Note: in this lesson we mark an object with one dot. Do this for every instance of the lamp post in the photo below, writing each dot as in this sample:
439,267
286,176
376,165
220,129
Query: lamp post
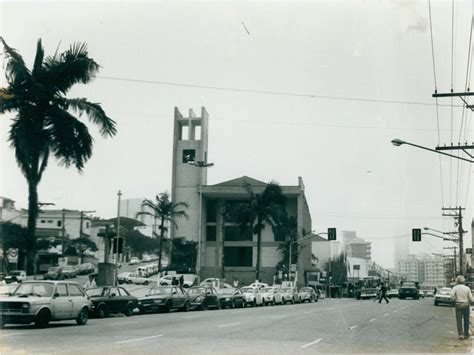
119,196
440,237
200,164
398,142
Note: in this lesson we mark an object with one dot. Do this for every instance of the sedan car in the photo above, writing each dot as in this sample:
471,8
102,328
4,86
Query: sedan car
6,290
16,276
231,297
203,297
132,278
308,294
443,296
393,292
271,295
162,298
69,272
44,301
421,293
134,261
429,293
84,269
289,295
107,299
253,296
54,273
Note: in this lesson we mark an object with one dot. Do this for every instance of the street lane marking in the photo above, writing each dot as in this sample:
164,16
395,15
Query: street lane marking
372,319
308,312
139,339
11,334
228,325
386,314
113,324
353,327
189,317
274,317
312,343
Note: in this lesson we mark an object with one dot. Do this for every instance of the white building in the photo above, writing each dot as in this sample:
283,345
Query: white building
357,267
411,269
434,272
8,212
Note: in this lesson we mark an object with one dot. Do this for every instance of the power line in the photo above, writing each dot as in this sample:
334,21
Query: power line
265,92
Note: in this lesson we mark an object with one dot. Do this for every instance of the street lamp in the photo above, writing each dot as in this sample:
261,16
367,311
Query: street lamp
200,164
398,142
440,237
435,230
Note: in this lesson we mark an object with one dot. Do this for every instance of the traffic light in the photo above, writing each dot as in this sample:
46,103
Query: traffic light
331,233
416,235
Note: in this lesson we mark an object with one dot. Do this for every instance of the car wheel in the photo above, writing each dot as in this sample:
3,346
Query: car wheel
436,303
145,283
141,310
129,282
185,306
254,304
203,306
292,301
218,305
129,310
167,308
242,305
273,302
102,311
43,318
83,316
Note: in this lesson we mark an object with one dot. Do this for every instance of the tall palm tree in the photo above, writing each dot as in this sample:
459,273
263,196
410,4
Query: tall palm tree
263,208
166,211
45,122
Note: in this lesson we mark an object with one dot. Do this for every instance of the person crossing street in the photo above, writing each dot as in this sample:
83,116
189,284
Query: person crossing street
383,293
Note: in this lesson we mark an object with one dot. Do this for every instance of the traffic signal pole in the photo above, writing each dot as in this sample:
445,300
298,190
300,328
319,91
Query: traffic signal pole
458,216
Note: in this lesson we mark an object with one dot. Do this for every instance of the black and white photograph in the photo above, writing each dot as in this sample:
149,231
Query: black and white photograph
236,177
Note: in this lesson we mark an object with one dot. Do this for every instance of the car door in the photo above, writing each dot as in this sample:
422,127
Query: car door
61,302
124,298
78,298
179,297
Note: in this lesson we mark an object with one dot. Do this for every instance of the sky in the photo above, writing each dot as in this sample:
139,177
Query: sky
296,68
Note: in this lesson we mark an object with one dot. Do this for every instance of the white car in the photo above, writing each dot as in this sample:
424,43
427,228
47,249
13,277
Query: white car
259,285
443,296
146,258
19,275
253,296
271,295
189,280
215,282
44,301
134,261
289,295
132,278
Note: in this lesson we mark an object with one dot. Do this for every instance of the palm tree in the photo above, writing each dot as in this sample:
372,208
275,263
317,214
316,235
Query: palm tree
45,122
166,211
263,208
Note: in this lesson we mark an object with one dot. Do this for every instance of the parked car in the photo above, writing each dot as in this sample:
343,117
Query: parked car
44,301
107,299
54,273
146,258
162,298
421,293
271,295
16,276
307,294
69,272
132,278
84,269
289,295
231,297
203,297
134,261
443,296
393,292
253,296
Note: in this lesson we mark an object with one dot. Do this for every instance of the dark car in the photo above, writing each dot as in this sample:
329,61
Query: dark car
408,290
54,273
203,297
109,299
231,297
162,298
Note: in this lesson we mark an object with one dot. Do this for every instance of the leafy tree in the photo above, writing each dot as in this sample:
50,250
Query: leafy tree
338,269
140,243
183,255
45,123
165,210
79,246
263,208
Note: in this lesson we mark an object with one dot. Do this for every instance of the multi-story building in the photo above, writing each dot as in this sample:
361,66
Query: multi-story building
8,212
225,250
355,247
411,269
435,272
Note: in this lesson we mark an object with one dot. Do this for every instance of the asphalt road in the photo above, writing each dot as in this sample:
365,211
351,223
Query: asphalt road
331,325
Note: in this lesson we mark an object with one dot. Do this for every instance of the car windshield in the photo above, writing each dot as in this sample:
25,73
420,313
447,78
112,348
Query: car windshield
306,289
6,289
196,290
40,289
95,292
161,291
248,290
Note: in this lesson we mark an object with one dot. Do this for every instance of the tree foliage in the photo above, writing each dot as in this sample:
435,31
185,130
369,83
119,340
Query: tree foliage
338,269
46,121
79,246
183,255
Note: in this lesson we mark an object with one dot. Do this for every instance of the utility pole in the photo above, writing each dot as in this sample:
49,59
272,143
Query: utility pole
457,216
119,195
63,230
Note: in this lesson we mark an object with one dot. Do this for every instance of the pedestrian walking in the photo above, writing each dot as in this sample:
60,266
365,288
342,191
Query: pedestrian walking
462,297
90,283
181,281
174,281
383,293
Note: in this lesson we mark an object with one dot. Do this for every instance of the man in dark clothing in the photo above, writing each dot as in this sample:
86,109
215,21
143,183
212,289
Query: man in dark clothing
383,293
174,281
181,281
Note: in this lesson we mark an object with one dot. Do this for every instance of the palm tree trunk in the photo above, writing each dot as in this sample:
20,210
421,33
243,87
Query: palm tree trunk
259,248
162,231
31,226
